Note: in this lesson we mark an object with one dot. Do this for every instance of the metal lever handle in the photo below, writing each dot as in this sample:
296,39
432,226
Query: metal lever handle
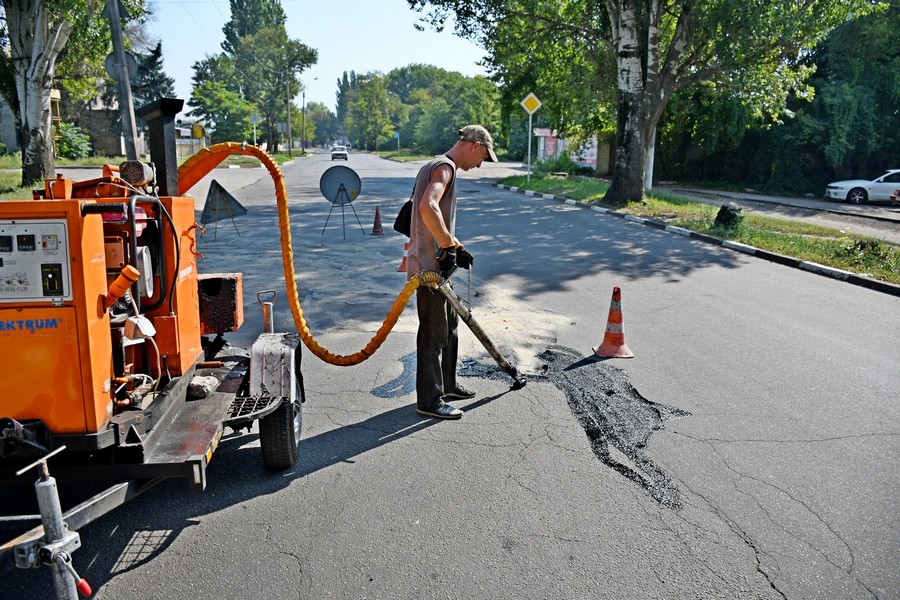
83,587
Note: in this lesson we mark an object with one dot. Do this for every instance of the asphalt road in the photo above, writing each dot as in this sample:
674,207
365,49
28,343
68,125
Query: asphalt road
774,392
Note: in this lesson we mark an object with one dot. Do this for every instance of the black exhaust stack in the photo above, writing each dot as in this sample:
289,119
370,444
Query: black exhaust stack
160,116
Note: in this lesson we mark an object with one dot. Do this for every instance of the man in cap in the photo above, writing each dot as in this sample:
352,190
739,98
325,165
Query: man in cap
433,246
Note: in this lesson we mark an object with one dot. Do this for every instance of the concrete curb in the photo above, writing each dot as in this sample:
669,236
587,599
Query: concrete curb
788,261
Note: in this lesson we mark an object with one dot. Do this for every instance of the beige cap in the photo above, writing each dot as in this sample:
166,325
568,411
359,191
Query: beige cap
477,133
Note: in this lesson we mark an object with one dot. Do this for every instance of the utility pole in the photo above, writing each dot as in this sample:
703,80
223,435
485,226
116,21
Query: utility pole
303,126
126,102
287,87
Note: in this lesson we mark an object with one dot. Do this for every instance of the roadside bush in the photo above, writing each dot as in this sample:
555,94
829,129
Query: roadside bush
72,143
561,164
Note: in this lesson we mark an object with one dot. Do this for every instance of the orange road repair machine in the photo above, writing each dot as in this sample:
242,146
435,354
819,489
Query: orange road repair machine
109,364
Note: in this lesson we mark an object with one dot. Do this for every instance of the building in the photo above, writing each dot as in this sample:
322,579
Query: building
591,154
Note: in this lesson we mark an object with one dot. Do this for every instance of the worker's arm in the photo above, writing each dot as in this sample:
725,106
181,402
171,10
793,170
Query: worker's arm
429,206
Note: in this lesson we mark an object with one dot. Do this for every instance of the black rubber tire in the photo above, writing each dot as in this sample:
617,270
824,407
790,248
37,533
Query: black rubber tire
857,196
279,432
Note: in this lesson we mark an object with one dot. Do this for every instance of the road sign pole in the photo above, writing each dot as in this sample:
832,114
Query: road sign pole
530,104
254,118
529,148
126,101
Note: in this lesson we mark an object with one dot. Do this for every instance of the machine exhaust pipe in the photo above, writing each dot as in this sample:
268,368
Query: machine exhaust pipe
160,117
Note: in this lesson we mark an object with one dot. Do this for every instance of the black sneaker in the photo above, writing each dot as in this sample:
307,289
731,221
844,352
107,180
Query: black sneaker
459,393
443,411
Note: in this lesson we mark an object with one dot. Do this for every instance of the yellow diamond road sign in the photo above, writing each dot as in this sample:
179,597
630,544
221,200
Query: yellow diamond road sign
531,103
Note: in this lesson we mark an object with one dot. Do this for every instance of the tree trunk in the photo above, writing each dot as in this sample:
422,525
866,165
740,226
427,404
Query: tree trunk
36,39
642,94
37,134
627,184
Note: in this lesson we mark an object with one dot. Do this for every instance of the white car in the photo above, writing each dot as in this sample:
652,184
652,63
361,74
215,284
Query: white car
858,191
339,152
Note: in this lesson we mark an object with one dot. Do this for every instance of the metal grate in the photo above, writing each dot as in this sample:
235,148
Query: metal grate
248,405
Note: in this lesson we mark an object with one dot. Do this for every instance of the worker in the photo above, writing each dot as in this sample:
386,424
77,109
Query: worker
433,246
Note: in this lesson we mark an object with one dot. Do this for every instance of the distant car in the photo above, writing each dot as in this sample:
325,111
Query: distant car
339,152
858,191
895,197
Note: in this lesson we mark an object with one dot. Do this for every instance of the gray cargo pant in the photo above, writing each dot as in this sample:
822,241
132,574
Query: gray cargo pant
437,348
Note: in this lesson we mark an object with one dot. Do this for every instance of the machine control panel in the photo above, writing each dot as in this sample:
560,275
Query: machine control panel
34,261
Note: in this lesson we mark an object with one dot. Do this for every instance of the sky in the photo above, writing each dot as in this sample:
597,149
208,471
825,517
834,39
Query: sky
349,35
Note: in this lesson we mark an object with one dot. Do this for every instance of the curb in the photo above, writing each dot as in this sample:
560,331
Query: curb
788,261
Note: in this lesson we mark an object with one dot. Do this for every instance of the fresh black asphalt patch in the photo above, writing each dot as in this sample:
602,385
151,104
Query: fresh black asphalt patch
615,417
617,420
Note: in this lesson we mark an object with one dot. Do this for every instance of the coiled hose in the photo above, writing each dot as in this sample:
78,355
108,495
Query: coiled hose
197,166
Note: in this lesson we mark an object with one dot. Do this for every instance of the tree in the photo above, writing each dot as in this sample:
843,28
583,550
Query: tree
322,124
849,128
469,100
369,111
150,81
225,113
658,47
858,95
346,84
38,33
260,64
248,17
37,36
268,63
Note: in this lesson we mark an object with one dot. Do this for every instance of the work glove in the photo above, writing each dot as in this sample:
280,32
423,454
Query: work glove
464,258
447,261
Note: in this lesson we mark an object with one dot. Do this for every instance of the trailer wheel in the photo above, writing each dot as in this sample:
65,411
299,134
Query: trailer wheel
279,432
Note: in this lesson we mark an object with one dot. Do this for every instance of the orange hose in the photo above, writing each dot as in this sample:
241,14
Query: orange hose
196,167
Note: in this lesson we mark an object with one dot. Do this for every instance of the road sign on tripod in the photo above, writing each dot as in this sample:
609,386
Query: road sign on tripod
219,203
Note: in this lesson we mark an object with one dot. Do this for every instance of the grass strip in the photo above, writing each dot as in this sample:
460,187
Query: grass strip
858,254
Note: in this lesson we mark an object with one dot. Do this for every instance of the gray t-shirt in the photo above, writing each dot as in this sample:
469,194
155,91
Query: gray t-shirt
423,247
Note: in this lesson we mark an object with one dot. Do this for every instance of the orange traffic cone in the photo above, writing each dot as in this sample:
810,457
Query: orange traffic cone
376,228
402,267
613,345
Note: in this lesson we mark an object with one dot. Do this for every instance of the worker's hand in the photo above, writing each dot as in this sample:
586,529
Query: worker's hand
464,258
447,261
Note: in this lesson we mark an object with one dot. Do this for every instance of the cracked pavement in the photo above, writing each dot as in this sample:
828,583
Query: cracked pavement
785,468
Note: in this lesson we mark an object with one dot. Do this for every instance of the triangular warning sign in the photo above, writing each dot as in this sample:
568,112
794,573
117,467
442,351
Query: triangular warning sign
220,205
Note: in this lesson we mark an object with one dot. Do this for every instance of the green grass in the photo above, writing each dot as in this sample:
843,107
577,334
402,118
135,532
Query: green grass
823,245
402,155
11,165
583,189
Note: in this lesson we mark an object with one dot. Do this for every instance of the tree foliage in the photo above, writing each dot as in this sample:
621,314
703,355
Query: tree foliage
260,66
346,84
658,48
248,17
151,82
848,128
223,111
64,39
72,143
370,107
426,105
324,123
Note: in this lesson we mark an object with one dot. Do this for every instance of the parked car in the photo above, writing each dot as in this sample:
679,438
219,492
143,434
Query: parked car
858,191
339,152
895,197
